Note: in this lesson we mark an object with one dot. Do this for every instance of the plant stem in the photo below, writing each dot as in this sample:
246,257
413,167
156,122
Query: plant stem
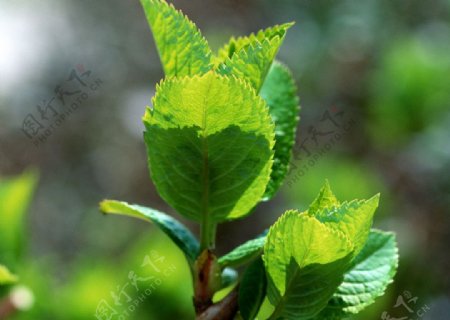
7,308
226,309
208,235
207,272
207,278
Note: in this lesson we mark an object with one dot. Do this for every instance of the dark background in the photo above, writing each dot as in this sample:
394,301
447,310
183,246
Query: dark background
383,65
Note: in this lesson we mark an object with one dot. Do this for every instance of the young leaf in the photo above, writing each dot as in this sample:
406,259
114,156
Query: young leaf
353,218
6,277
209,142
305,262
252,290
369,275
325,200
237,44
15,196
280,93
182,48
179,234
244,253
251,57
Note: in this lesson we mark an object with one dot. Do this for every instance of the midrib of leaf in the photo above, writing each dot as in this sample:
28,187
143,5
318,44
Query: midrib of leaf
265,73
208,228
164,43
206,124
280,306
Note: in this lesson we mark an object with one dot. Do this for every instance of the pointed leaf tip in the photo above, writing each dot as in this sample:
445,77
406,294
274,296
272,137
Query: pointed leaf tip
181,47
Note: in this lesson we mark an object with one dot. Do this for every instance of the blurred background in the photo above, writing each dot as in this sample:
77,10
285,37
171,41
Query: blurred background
374,83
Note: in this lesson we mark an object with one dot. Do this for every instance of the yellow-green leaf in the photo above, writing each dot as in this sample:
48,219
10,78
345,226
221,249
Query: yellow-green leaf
353,218
15,196
182,48
250,57
6,277
305,262
209,142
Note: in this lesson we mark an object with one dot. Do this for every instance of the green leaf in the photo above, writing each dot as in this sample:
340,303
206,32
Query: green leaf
251,57
353,218
244,253
6,277
182,48
325,200
305,262
209,142
15,196
371,272
237,44
252,290
179,234
229,277
280,93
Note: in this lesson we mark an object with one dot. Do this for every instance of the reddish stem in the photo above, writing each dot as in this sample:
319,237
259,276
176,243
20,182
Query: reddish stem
226,309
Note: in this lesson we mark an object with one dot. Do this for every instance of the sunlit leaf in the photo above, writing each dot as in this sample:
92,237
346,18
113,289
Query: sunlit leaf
250,57
353,218
15,196
209,142
305,262
6,277
182,48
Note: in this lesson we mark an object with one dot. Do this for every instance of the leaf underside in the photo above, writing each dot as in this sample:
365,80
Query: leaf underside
244,253
252,290
179,234
368,277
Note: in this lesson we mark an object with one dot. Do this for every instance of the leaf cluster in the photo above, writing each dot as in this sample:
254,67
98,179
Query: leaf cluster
219,136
